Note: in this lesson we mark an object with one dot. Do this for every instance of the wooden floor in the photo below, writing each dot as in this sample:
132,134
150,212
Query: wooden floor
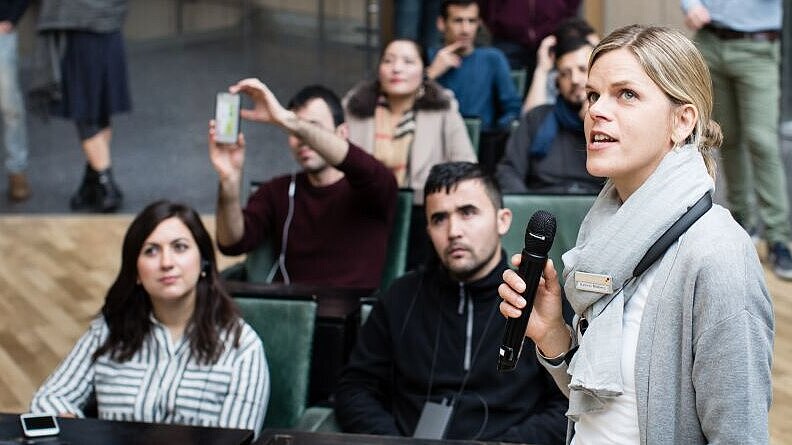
54,271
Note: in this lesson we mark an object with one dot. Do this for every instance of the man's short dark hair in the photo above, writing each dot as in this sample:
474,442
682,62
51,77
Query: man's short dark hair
571,35
567,45
574,27
312,92
446,176
447,4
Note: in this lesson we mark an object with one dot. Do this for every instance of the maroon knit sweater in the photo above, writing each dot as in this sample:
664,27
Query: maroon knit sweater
338,234
526,22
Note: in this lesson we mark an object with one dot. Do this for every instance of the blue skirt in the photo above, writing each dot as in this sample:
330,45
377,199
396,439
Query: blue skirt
94,79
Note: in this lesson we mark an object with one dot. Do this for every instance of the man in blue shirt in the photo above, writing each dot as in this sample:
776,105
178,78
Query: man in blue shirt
741,43
479,78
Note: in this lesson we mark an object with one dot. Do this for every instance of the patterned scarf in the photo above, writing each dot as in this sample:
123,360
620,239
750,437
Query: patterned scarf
392,144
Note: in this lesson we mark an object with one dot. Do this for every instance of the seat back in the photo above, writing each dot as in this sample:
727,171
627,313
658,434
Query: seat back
569,211
473,126
520,78
286,327
398,241
259,263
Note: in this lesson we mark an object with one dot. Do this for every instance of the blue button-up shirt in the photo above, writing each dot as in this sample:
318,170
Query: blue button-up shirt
741,15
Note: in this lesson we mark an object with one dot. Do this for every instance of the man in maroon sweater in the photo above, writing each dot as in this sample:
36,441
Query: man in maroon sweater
337,212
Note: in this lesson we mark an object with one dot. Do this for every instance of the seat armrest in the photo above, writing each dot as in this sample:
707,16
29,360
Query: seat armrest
318,418
236,272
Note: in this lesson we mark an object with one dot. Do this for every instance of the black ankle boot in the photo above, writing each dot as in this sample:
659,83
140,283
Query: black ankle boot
85,196
108,193
98,192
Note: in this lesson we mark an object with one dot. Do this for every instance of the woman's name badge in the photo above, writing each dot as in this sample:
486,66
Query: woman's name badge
593,282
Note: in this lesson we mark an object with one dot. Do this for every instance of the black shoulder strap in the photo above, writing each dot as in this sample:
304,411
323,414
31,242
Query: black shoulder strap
673,233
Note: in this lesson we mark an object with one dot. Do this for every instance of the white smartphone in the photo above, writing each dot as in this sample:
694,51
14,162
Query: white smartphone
227,118
37,425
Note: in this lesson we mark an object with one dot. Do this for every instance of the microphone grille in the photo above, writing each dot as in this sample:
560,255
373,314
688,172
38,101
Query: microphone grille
540,232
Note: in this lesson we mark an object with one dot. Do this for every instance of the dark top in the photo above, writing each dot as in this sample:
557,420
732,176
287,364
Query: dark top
423,318
12,10
561,171
338,234
525,21
82,15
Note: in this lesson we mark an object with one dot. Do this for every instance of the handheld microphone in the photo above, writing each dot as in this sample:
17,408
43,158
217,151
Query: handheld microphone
538,239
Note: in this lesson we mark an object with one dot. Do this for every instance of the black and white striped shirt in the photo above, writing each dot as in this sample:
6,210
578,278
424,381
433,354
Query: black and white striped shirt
162,382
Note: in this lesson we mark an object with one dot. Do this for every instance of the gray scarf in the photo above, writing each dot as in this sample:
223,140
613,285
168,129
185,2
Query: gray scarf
612,239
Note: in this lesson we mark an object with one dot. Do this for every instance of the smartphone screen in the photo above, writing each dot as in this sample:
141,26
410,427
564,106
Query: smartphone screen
227,118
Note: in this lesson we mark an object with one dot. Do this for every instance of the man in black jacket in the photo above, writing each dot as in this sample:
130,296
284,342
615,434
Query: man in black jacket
433,337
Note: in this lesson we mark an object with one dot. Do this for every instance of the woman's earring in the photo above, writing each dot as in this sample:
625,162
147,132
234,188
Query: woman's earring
204,267
421,90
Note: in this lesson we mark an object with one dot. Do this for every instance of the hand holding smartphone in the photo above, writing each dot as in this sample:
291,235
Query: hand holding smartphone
227,118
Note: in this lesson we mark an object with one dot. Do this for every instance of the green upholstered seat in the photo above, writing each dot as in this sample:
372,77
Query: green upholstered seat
255,268
569,211
286,327
398,242
520,78
473,126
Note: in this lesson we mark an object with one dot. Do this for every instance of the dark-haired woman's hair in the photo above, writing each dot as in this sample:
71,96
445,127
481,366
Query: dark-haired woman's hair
127,306
365,96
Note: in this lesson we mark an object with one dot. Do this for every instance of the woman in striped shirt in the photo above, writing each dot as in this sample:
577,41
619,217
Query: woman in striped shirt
170,345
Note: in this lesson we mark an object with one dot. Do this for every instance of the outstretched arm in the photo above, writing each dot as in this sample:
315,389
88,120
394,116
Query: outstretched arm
267,109
227,160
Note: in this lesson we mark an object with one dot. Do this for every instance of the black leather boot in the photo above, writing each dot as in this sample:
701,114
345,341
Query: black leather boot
85,196
98,192
108,193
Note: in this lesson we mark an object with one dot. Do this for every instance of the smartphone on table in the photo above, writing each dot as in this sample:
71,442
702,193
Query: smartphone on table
38,425
227,118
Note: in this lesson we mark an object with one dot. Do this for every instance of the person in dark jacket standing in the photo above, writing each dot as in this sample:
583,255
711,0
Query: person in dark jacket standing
433,337
94,87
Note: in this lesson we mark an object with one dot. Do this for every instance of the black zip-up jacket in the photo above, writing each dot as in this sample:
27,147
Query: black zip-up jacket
425,317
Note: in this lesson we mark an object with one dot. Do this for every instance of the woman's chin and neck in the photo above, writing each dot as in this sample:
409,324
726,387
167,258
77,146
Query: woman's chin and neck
400,103
174,314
